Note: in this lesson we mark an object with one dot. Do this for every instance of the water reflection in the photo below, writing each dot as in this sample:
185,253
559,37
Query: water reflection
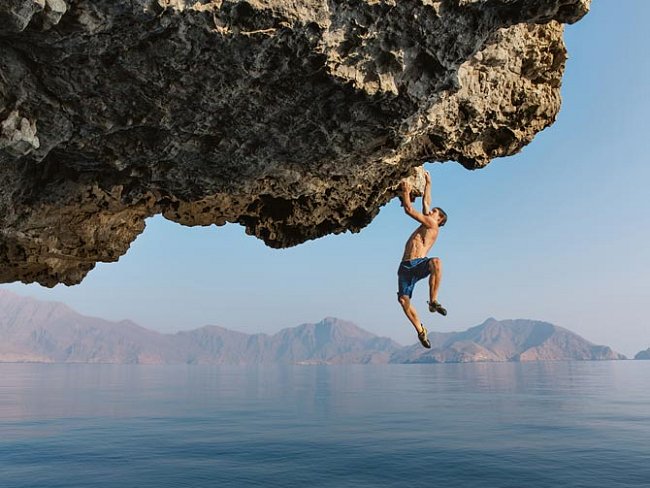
479,425
35,391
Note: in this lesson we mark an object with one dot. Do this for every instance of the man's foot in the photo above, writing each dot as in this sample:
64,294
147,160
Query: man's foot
434,307
424,340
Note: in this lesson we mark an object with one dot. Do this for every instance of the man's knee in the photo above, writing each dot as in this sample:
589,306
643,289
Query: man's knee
403,300
435,264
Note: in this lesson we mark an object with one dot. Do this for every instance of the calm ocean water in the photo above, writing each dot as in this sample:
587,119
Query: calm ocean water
564,424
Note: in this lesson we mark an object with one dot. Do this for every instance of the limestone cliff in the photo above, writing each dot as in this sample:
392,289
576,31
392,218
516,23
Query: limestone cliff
294,119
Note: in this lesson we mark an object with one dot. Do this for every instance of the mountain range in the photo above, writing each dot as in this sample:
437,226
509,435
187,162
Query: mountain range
38,331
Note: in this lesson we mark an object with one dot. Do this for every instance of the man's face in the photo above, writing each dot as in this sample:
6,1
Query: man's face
435,213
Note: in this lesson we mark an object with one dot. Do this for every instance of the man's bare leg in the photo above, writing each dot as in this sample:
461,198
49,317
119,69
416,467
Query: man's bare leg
435,265
410,312
412,315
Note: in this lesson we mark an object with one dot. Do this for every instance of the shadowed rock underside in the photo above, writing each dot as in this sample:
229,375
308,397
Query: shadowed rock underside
294,119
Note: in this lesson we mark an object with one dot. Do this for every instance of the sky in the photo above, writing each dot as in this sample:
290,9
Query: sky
559,232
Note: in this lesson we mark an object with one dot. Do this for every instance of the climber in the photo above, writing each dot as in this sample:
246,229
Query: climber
415,266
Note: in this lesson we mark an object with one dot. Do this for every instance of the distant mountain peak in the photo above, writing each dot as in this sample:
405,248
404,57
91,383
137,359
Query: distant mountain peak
643,354
489,320
16,309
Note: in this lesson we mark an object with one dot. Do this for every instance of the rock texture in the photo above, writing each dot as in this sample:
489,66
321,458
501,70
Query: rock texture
35,331
294,119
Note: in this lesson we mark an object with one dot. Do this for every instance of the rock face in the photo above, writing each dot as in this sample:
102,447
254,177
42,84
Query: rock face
294,119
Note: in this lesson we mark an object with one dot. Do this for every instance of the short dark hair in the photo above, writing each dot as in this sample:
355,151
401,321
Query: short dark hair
444,216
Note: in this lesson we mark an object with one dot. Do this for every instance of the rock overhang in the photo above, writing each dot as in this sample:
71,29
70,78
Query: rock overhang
294,119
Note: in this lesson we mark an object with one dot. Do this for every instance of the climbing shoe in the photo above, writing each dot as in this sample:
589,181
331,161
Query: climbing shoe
424,340
434,307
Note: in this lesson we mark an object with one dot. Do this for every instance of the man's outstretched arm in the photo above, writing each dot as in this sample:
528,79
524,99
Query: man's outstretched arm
408,208
426,198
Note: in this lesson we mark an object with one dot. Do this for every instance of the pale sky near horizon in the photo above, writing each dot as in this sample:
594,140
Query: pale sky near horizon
558,233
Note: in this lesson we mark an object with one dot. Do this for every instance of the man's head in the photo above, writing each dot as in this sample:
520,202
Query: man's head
441,214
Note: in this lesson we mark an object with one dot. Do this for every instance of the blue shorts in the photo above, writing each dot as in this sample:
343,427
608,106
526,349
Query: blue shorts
409,273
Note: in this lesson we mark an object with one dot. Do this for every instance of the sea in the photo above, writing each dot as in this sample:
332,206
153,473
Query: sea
492,425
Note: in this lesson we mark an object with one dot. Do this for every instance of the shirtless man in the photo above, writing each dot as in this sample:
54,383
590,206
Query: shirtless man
415,266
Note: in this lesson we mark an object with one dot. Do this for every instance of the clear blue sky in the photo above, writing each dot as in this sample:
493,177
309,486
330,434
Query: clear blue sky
560,232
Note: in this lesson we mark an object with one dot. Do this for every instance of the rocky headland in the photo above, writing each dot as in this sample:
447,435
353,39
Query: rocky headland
507,340
643,354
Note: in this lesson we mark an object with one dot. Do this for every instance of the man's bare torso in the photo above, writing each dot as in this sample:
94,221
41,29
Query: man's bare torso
420,242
